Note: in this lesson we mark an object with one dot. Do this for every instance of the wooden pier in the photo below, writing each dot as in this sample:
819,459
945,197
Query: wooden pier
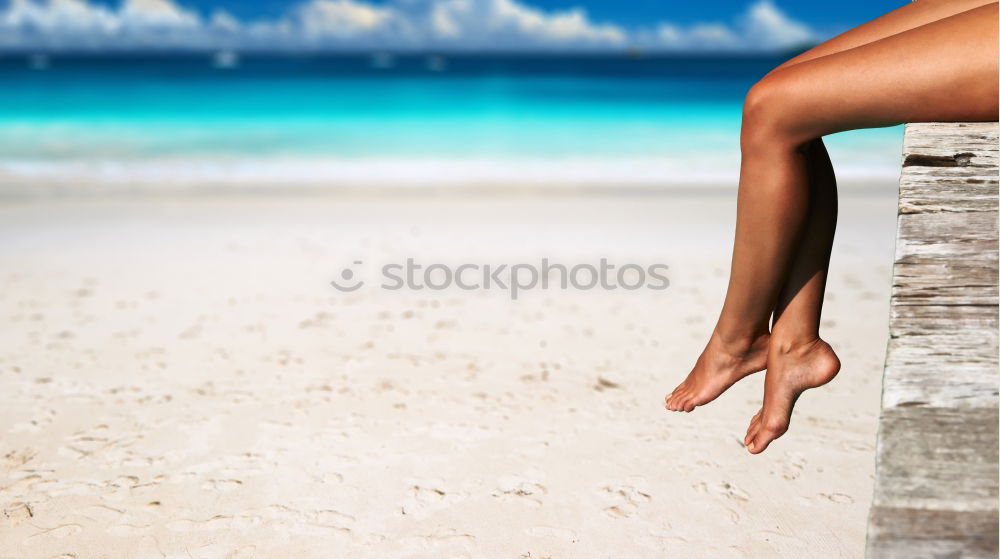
937,459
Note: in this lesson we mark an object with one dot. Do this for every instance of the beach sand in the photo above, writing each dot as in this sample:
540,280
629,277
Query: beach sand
180,380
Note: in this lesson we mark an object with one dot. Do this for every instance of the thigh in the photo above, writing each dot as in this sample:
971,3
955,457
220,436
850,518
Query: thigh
942,71
910,16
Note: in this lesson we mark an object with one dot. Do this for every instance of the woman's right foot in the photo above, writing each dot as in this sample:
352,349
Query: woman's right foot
792,368
720,366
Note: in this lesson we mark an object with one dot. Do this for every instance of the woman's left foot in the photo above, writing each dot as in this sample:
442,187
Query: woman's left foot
720,366
791,370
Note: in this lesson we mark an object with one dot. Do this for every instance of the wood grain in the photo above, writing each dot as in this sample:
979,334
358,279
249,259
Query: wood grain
936,485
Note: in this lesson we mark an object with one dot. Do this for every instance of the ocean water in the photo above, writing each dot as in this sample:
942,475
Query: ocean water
383,118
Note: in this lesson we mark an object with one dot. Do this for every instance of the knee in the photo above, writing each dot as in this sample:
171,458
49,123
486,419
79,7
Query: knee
770,115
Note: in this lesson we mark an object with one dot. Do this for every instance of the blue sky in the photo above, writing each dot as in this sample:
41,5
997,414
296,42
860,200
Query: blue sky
715,25
842,14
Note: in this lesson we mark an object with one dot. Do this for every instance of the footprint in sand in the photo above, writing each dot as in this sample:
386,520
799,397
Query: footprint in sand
839,498
90,441
625,498
330,478
520,489
17,458
16,513
792,466
329,518
427,496
24,483
729,491
667,536
222,485
217,522
441,537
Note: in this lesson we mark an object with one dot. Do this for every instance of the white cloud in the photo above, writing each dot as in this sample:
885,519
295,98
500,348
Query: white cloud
81,24
224,21
431,24
762,27
156,13
341,18
446,15
566,26
769,26
55,15
510,23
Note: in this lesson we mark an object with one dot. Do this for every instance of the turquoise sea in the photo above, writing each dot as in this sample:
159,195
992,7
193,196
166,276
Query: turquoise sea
384,117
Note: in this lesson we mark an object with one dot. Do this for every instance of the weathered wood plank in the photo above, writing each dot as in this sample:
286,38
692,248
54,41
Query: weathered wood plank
937,460
913,534
933,440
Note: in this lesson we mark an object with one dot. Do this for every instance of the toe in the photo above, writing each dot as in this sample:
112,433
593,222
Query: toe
752,427
751,432
691,402
670,401
677,401
770,429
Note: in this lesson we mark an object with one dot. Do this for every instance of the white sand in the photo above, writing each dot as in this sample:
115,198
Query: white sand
179,380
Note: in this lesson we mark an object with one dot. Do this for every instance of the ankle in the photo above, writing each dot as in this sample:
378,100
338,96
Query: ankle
786,342
737,342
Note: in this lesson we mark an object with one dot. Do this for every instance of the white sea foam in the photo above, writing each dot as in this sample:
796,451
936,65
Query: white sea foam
274,172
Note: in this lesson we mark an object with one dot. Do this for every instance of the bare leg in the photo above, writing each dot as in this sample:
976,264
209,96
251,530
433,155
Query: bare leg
728,358
797,316
903,78
800,303
806,285
910,16
734,350
771,212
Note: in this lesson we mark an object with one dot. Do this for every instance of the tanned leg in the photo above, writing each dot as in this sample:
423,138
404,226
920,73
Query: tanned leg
909,77
797,316
910,16
727,359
